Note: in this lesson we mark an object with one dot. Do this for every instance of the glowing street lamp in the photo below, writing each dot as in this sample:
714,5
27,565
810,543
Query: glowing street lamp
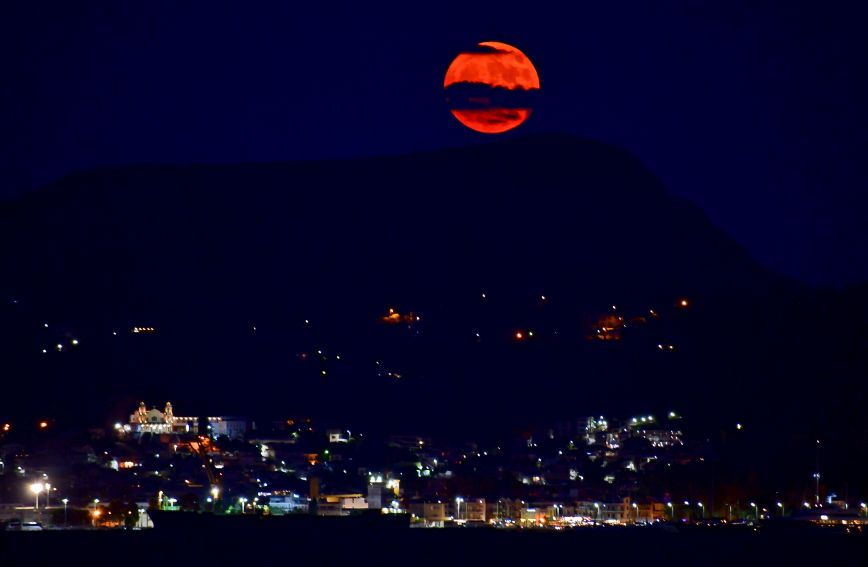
47,494
95,513
754,506
36,488
671,510
65,502
215,493
458,501
781,506
702,508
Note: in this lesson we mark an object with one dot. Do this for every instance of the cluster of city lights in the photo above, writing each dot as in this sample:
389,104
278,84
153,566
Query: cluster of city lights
610,327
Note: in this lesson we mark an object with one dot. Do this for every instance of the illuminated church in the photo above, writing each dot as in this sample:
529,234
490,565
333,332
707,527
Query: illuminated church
161,422
165,422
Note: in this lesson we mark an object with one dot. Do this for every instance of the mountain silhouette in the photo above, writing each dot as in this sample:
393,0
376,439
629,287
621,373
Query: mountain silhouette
256,277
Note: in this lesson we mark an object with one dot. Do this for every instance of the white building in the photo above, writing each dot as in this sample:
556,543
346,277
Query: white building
231,427
288,503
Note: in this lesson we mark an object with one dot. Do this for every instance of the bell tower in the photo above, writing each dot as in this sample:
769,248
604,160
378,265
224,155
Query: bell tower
168,415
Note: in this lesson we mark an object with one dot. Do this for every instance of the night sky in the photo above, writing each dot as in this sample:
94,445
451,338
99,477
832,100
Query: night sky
754,111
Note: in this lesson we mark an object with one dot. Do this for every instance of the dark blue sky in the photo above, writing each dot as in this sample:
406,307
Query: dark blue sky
756,111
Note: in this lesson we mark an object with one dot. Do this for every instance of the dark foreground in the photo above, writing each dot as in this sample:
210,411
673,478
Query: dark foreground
605,546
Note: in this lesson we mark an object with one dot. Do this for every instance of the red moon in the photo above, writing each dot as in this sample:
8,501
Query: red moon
489,89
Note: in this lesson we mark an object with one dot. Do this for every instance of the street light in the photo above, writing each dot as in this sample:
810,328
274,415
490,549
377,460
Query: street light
781,506
701,507
671,511
597,506
754,506
636,508
215,492
817,479
65,502
47,494
36,488
458,501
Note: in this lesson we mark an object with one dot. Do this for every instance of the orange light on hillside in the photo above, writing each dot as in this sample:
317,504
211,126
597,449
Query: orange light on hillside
519,336
683,303
43,424
394,317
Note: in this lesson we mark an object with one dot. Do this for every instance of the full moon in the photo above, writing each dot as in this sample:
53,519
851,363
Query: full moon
491,87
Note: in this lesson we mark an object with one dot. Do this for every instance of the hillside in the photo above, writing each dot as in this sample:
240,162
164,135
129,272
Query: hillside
227,262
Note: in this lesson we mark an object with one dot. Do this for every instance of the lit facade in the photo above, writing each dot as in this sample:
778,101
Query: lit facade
165,422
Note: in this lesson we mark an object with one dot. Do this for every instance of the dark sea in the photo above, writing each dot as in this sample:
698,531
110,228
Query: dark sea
622,547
